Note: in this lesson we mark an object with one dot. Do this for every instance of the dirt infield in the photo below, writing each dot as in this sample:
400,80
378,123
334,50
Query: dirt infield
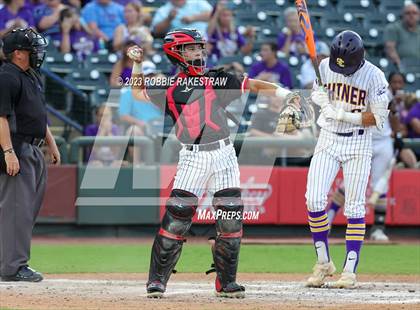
195,291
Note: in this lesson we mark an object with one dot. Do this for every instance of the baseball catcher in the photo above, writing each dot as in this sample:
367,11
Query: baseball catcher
196,100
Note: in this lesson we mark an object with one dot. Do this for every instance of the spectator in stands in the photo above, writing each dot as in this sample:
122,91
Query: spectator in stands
47,19
412,122
402,38
413,118
74,37
225,36
103,17
307,72
134,24
103,127
121,71
137,114
291,41
398,115
181,14
13,15
270,68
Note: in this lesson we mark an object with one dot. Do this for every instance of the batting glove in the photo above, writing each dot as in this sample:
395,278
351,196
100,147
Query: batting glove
320,98
329,112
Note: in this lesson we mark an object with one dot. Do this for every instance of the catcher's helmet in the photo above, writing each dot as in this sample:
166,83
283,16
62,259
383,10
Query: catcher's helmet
173,47
346,53
26,39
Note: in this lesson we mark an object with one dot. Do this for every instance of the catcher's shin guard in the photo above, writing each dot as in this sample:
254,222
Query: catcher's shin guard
228,241
167,246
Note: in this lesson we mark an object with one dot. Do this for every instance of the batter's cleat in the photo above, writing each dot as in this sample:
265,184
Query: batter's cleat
232,290
379,235
347,280
24,274
155,289
320,272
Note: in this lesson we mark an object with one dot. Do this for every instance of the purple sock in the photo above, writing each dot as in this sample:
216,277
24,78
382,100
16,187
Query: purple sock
318,223
355,234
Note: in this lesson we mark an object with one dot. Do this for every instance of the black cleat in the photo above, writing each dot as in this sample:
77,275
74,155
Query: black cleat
155,289
25,274
232,290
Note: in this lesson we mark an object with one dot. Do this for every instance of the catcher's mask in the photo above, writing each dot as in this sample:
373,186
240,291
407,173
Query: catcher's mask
26,39
174,47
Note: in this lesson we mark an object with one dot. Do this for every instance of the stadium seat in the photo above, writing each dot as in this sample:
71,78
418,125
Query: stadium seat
391,6
98,96
61,63
358,8
102,63
335,24
230,59
87,79
319,8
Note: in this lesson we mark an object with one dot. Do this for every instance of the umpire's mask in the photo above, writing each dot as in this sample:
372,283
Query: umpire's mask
29,40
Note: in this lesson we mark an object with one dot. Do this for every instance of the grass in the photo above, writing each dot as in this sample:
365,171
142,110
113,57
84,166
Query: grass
94,258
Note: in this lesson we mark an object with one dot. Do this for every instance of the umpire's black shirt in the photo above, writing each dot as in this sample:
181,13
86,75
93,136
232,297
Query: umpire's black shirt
22,102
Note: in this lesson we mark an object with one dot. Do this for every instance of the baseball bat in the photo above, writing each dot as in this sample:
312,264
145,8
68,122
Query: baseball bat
380,186
305,24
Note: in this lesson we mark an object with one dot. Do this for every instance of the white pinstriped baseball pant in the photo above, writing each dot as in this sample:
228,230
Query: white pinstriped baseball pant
354,155
215,170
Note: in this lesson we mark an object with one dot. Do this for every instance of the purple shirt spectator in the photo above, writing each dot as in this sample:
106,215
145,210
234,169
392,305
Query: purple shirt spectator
280,72
296,39
227,44
92,130
126,74
15,15
53,31
414,113
83,44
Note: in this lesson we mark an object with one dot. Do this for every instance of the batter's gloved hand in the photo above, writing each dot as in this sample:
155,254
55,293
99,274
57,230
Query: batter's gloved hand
329,112
320,98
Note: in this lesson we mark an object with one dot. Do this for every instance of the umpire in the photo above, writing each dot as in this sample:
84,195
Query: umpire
23,130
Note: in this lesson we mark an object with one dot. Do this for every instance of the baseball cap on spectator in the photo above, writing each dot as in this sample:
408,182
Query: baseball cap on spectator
149,68
322,48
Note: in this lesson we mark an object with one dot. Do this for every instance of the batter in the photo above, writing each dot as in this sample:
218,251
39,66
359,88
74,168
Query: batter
356,101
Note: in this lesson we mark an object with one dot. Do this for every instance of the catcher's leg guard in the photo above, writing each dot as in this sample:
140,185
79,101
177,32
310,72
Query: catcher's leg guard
167,246
228,241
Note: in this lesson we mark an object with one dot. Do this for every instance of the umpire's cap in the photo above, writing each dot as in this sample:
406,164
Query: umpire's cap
346,53
26,39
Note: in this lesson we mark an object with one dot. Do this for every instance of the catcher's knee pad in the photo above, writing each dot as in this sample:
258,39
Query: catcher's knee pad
229,234
167,246
180,209
229,207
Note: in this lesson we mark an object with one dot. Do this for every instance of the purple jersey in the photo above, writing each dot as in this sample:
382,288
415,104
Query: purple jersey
227,44
126,73
280,72
82,43
414,113
7,18
92,130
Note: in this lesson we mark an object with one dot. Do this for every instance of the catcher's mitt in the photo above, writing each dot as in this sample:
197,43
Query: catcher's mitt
290,118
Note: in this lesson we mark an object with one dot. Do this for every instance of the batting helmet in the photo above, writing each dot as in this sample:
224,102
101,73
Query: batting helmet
346,53
26,39
174,43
